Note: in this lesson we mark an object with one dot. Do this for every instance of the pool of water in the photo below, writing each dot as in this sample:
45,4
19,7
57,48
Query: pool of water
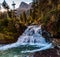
16,52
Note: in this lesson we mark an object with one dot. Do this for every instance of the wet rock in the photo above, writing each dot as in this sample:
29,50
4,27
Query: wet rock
48,53
47,36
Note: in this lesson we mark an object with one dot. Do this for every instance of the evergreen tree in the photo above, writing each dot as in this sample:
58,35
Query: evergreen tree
5,5
35,9
21,19
24,17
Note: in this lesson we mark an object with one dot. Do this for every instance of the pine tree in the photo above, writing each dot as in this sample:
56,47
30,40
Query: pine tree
5,5
24,17
35,9
21,19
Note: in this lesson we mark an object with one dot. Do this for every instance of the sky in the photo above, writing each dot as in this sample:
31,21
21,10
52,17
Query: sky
16,1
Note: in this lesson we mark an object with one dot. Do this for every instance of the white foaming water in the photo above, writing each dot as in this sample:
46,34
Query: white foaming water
31,36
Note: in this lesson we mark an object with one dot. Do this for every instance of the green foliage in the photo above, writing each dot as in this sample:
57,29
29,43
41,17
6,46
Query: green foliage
47,11
24,17
43,12
9,31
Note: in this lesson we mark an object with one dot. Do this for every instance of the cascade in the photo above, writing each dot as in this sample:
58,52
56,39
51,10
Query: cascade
31,37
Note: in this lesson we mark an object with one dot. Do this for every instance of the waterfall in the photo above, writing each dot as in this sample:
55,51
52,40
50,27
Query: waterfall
32,36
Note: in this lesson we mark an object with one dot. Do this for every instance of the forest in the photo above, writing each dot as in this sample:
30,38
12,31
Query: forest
42,12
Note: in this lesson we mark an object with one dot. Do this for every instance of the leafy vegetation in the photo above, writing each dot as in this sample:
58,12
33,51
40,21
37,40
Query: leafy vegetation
45,12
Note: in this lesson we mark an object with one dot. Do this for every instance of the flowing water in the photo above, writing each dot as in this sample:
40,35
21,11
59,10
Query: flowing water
29,42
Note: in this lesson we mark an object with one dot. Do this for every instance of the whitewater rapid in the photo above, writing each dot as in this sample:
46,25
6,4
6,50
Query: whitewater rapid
32,36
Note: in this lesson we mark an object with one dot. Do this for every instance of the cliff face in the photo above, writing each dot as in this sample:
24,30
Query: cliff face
23,7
